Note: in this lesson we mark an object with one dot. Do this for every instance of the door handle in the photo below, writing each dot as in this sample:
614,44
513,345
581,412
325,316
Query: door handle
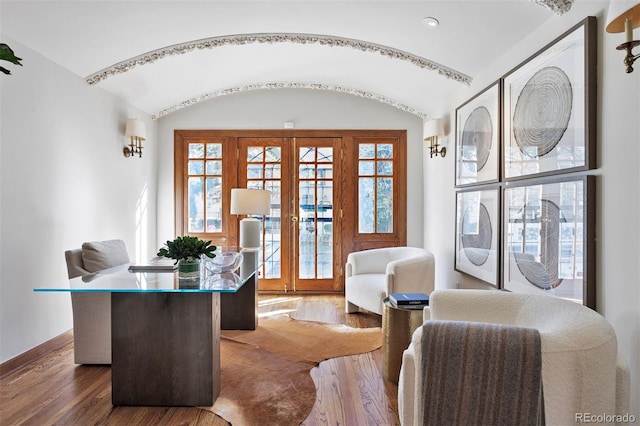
294,218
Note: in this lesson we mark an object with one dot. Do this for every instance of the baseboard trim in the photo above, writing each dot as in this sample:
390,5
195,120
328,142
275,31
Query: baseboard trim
36,353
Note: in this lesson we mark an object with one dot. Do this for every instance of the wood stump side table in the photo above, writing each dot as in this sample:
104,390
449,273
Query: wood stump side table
398,325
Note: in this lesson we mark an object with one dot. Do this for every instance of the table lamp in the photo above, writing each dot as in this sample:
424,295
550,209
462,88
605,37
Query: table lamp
249,202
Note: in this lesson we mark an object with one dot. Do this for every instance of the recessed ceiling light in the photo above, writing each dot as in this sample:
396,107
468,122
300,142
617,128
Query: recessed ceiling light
430,22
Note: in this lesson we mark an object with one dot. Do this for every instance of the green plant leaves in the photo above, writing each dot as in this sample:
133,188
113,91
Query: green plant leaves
187,248
6,54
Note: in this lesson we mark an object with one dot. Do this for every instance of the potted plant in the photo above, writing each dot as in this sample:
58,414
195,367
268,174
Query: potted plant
187,252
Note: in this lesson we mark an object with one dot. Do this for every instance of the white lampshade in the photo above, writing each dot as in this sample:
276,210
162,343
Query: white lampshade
618,13
135,128
433,128
250,201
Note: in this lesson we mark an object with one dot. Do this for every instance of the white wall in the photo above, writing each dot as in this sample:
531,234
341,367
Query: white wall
618,189
308,109
63,180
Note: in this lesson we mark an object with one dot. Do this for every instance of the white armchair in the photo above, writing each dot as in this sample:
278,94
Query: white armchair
581,369
92,311
371,275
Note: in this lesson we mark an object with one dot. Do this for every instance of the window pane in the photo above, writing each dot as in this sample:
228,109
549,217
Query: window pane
366,150
214,150
214,167
306,264
254,171
195,209
307,199
307,232
325,171
272,231
272,171
324,230
384,208
273,155
274,187
385,151
325,155
196,150
307,171
214,204
366,168
307,153
385,168
255,184
196,167
376,171
365,206
255,154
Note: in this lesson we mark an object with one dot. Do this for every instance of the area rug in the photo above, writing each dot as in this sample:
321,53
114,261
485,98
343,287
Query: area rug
265,376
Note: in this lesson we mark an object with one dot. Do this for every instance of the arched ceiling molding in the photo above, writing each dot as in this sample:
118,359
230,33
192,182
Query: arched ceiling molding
243,39
289,85
559,7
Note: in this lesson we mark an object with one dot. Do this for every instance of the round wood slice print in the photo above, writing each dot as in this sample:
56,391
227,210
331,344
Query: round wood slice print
477,136
542,112
477,244
544,274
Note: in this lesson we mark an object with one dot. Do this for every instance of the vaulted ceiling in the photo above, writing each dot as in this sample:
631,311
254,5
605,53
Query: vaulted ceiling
161,56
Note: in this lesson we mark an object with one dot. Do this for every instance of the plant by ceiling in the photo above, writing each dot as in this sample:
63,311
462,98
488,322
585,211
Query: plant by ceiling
6,54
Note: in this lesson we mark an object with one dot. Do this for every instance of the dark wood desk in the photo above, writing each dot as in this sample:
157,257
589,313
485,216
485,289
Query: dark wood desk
165,340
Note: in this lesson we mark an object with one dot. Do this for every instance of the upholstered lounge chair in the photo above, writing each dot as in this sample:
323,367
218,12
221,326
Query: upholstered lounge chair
581,369
92,311
372,275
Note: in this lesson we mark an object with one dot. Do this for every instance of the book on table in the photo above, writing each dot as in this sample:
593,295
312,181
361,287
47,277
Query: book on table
406,300
157,264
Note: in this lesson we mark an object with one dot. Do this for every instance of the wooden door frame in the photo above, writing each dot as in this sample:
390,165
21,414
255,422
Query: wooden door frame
244,142
351,242
359,241
229,234
337,181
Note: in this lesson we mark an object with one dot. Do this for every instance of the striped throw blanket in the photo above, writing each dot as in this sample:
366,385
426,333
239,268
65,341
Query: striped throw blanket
481,374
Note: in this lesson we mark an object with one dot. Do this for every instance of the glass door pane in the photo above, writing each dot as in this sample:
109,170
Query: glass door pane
375,188
315,243
262,167
204,187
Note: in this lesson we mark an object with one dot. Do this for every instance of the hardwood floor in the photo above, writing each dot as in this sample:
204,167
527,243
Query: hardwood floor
55,391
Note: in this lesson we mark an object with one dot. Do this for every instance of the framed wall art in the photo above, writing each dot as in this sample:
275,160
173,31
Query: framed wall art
548,238
477,233
549,108
478,138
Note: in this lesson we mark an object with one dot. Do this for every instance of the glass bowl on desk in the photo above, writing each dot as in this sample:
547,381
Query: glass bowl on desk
222,281
226,260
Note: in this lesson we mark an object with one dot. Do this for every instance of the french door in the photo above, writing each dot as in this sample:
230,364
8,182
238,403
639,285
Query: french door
300,252
331,193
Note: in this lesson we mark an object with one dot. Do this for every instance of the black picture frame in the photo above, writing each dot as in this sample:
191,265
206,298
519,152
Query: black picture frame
549,108
478,138
548,238
477,246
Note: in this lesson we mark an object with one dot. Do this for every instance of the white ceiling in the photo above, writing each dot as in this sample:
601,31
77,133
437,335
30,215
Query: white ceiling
90,36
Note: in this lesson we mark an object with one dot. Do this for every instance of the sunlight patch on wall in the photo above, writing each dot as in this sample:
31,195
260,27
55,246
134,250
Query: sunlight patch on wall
142,225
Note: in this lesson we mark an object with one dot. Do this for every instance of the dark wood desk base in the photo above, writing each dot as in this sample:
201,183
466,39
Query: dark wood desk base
239,311
165,349
166,346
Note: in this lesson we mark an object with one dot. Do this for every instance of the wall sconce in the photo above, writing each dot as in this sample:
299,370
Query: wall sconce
250,202
624,15
432,130
135,130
